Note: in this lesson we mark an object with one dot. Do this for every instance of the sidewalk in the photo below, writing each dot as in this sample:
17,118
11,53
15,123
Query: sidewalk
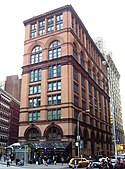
35,166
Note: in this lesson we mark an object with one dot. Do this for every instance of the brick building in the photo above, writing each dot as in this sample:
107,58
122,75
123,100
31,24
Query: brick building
13,86
62,76
9,119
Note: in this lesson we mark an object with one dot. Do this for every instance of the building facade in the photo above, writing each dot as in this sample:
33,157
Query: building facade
9,119
62,76
114,86
114,91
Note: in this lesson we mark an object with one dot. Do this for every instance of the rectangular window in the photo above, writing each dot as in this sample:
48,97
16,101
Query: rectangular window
90,88
76,100
35,89
72,22
83,105
50,24
34,116
91,121
83,80
54,99
75,74
34,102
35,75
75,87
54,114
84,118
33,31
54,71
59,22
83,94
76,114
53,86
42,27
82,61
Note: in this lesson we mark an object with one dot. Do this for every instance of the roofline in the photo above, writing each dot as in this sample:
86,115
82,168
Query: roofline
60,9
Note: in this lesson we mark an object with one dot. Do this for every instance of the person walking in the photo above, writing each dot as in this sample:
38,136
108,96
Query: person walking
8,161
62,160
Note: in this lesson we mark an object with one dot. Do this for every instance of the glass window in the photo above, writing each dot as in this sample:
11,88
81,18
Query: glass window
50,24
35,89
75,55
34,102
33,134
75,73
81,60
54,114
35,75
53,134
34,116
53,86
33,31
54,99
36,55
59,22
76,114
54,71
76,100
75,87
83,80
42,27
54,50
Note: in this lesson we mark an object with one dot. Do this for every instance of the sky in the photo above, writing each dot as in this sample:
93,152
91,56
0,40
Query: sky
102,18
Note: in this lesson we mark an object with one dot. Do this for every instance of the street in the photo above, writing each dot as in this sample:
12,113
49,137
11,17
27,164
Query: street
58,166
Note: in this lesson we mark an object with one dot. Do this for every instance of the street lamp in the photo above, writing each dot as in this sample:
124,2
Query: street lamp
78,136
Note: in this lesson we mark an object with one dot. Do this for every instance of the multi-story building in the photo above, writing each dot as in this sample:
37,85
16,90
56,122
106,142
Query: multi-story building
62,76
114,86
114,91
9,119
13,86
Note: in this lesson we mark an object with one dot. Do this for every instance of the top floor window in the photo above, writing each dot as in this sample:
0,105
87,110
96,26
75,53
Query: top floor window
59,22
54,50
33,31
36,55
42,27
50,24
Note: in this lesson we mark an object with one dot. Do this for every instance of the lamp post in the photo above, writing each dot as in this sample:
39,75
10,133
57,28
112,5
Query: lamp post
25,150
78,134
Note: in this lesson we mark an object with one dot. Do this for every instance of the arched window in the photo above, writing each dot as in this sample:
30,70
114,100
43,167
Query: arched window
36,55
53,133
33,134
54,50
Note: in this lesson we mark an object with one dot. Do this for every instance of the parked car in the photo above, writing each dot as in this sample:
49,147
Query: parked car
80,162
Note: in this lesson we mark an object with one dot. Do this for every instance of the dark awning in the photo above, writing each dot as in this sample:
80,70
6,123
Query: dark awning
50,144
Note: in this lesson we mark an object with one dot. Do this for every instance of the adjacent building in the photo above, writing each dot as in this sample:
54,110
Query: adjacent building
13,86
115,98
63,75
9,119
114,86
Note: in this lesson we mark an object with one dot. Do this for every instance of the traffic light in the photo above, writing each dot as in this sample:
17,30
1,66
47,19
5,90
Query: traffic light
120,147
111,119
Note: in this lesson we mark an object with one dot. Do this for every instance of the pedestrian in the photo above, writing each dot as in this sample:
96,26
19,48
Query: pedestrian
8,161
62,160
